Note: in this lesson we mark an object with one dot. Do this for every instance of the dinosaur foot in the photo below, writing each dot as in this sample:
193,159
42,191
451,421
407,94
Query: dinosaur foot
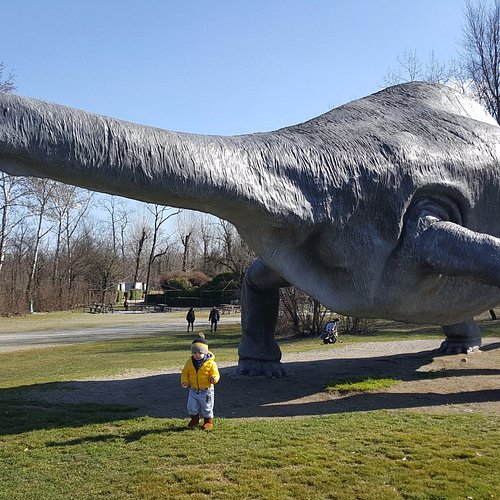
256,368
458,347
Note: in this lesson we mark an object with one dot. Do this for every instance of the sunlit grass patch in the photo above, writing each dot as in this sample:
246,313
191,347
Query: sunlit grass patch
367,384
348,455
167,350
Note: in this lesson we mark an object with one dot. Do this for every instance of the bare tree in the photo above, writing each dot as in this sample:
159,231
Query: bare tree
481,57
6,82
207,235
160,214
411,68
11,192
40,193
67,210
186,228
118,221
186,243
103,271
234,254
300,313
13,278
8,183
477,72
143,232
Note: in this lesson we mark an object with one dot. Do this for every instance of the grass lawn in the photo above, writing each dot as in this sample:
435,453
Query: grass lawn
361,455
91,451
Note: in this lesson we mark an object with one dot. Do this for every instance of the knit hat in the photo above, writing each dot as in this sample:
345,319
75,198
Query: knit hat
200,344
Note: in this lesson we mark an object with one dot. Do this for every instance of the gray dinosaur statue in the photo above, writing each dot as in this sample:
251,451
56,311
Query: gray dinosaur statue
386,207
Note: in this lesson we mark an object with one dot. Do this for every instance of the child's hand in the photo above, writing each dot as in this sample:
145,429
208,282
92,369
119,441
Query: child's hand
213,380
184,385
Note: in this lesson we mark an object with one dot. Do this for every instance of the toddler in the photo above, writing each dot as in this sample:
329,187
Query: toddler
199,374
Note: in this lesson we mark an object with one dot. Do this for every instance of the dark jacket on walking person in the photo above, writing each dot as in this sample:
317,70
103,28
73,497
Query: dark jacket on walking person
214,318
190,317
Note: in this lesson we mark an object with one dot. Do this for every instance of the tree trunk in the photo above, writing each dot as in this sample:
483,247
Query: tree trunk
5,218
140,247
185,255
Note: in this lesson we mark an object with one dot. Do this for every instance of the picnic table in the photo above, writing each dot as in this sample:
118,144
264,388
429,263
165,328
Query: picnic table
229,308
98,308
141,308
164,308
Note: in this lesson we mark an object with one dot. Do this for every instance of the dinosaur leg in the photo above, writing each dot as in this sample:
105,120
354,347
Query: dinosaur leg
259,354
451,249
461,338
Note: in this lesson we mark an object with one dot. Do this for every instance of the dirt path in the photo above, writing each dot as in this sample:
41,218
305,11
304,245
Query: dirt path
429,383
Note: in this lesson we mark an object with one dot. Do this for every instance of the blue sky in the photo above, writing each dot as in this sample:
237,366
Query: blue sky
221,66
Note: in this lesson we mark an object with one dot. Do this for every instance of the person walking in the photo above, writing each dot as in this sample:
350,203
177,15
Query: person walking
190,317
214,318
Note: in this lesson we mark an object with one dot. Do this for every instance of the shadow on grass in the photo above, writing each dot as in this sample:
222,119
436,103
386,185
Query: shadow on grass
78,403
127,438
20,414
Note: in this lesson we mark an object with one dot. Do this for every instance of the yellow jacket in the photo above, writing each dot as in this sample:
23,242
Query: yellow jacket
200,379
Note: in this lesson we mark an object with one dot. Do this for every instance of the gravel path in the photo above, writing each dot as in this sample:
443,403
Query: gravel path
459,383
31,340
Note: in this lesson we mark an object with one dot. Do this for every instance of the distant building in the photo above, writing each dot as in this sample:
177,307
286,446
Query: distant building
126,286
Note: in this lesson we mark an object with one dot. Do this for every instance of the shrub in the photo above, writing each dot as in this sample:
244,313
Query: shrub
197,278
224,280
180,283
183,280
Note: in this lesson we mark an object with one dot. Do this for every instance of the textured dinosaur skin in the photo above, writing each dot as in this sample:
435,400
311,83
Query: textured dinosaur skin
386,207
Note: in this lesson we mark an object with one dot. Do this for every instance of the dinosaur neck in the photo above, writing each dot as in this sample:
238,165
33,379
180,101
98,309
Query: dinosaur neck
209,173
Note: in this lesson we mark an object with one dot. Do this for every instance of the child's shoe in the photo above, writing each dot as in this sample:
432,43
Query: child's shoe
195,420
208,423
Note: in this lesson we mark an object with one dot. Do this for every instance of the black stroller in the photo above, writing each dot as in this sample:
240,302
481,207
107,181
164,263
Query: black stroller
330,333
